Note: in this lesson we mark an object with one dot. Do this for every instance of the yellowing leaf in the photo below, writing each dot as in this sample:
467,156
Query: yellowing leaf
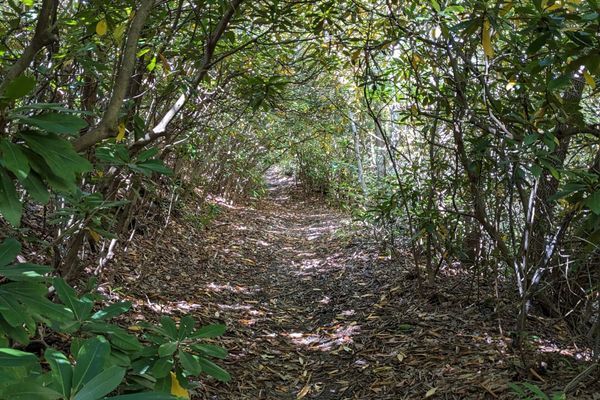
554,6
505,8
94,235
301,394
121,133
101,27
589,79
486,39
176,389
430,392
134,328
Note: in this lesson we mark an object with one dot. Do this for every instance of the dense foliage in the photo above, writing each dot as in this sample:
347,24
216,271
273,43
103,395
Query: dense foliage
466,132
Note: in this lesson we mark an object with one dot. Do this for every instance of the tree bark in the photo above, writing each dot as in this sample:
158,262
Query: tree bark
108,124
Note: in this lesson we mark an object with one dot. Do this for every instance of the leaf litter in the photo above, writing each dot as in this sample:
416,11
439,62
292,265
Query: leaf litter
315,310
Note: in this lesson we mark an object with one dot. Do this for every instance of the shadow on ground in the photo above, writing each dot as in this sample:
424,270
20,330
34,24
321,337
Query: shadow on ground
314,311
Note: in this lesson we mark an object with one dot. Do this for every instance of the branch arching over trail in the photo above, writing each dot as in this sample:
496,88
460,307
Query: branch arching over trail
108,125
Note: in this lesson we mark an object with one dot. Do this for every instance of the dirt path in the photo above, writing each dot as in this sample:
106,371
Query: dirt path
313,311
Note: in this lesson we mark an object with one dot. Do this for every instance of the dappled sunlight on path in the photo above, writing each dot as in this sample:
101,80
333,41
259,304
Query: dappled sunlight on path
314,311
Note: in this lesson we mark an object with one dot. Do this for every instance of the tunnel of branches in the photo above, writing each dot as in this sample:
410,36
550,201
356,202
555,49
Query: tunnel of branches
282,199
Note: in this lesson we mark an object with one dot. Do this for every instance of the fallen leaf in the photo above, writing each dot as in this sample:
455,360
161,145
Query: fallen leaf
303,392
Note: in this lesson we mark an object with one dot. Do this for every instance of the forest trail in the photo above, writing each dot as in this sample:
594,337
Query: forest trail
313,311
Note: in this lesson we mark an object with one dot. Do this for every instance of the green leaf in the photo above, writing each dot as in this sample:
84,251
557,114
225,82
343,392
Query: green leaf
186,327
16,358
593,202
12,311
557,83
17,333
112,311
530,139
169,327
190,362
214,370
147,154
19,87
149,166
29,390
81,307
143,396
36,188
117,336
90,361
10,205
14,159
59,155
33,296
25,272
62,371
9,249
167,349
62,124
210,350
210,331
161,367
102,384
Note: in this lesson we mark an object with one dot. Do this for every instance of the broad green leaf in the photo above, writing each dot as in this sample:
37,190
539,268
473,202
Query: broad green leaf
167,349
102,384
29,390
11,310
147,154
81,307
9,249
91,359
33,296
186,327
18,333
10,205
19,87
14,159
210,331
62,371
593,202
214,370
58,154
149,166
36,188
169,326
25,272
43,171
161,367
62,124
112,311
210,350
117,336
189,362
16,358
560,82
